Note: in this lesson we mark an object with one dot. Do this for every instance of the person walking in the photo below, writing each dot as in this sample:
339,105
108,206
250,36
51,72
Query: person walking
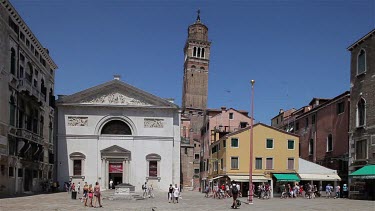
91,194
235,192
85,193
79,187
144,188
345,191
97,194
73,187
110,184
337,192
176,193
170,193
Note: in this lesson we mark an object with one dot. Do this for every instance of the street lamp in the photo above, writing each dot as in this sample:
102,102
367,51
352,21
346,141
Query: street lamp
250,195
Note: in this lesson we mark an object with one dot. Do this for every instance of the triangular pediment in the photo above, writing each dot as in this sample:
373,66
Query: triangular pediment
114,150
115,93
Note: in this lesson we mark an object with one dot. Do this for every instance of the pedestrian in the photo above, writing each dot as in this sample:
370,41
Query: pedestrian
73,187
79,187
170,193
235,192
239,190
91,194
345,191
207,191
110,184
328,191
97,194
337,191
176,193
85,193
144,188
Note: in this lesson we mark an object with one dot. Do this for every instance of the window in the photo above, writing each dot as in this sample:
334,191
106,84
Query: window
22,36
13,61
153,164
361,149
297,126
290,163
269,163
234,142
116,127
202,52
258,163
12,111
21,74
20,172
290,144
195,51
307,122
27,42
196,171
32,48
269,143
243,124
36,54
199,52
77,167
196,156
221,163
340,107
224,143
329,143
230,115
313,119
214,149
234,162
13,25
50,128
361,112
2,170
361,62
153,169
186,151
311,146
35,174
11,172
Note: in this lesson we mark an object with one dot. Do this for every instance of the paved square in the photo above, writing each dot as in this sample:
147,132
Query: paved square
190,201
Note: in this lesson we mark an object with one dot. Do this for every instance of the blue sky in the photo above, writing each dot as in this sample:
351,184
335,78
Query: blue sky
294,50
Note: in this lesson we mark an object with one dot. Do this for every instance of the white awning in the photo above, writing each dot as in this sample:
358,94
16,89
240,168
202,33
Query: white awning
320,177
245,178
215,178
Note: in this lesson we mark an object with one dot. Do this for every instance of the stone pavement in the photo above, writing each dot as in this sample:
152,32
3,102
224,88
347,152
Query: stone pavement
190,201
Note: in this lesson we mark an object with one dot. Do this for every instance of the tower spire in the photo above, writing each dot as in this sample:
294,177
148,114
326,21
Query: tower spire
198,17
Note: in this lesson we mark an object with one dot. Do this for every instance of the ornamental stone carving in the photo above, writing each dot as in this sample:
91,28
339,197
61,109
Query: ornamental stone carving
114,98
77,121
153,123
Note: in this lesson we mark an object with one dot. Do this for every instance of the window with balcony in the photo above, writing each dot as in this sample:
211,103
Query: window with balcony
361,62
258,163
361,112
361,149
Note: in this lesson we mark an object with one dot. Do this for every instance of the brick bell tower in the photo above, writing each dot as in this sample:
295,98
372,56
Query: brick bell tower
197,58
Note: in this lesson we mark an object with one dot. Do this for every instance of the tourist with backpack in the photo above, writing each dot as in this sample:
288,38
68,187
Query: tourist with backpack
235,195
144,189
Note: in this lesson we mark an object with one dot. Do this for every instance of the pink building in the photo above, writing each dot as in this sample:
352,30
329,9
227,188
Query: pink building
217,123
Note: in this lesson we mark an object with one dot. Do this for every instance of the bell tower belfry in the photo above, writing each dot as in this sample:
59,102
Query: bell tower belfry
196,64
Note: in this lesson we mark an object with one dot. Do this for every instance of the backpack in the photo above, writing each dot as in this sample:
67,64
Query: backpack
143,187
234,190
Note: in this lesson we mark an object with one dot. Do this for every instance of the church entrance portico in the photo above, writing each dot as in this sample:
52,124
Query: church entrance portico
115,165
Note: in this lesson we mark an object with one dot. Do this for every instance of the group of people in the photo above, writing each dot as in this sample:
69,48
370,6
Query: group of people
221,191
311,191
173,193
147,191
89,193
263,191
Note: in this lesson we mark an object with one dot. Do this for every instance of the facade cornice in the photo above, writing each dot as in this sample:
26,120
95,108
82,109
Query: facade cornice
352,46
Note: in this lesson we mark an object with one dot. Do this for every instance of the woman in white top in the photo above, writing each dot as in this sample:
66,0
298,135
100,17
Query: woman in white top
176,193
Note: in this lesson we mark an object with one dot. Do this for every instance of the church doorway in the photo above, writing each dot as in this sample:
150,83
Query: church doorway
115,172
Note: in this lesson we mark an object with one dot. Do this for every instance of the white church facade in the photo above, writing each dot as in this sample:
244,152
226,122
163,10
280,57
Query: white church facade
119,132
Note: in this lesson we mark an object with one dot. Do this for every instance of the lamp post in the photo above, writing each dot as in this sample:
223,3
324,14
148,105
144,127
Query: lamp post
250,195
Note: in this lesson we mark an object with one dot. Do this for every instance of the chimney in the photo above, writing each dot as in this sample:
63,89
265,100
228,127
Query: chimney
117,77
223,109
281,111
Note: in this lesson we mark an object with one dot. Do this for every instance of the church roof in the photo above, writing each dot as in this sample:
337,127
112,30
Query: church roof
115,93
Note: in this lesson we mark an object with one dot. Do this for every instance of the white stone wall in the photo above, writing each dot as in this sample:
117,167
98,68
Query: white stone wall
85,138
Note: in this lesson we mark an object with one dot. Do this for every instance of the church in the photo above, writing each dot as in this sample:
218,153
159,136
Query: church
117,132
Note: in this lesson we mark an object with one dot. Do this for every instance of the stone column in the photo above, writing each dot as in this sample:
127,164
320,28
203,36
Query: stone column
123,171
106,172
103,176
128,175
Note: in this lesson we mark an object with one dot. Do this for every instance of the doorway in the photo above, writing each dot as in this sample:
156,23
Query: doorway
115,172
28,180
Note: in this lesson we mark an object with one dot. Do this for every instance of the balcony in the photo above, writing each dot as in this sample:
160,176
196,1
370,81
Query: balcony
26,134
25,85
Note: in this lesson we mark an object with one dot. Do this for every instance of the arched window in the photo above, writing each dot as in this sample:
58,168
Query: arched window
199,52
195,51
41,125
13,61
29,73
361,112
77,163
50,132
193,66
361,62
202,52
116,127
202,68
329,143
153,161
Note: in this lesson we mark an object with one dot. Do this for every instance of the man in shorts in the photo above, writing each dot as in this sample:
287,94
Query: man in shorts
235,195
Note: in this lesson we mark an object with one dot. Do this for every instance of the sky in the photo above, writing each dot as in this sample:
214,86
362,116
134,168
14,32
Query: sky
294,50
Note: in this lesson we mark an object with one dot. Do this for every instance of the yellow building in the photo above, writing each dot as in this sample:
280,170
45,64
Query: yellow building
275,157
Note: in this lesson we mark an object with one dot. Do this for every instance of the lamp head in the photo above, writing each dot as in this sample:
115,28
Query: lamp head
252,82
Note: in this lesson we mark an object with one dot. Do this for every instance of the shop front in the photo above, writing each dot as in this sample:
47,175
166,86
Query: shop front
362,185
282,180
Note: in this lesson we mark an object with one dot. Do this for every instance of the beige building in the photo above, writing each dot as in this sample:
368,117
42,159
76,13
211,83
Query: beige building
26,107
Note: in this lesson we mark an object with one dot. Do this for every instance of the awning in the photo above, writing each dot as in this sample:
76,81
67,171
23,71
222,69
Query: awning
287,177
366,172
320,177
215,178
245,178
